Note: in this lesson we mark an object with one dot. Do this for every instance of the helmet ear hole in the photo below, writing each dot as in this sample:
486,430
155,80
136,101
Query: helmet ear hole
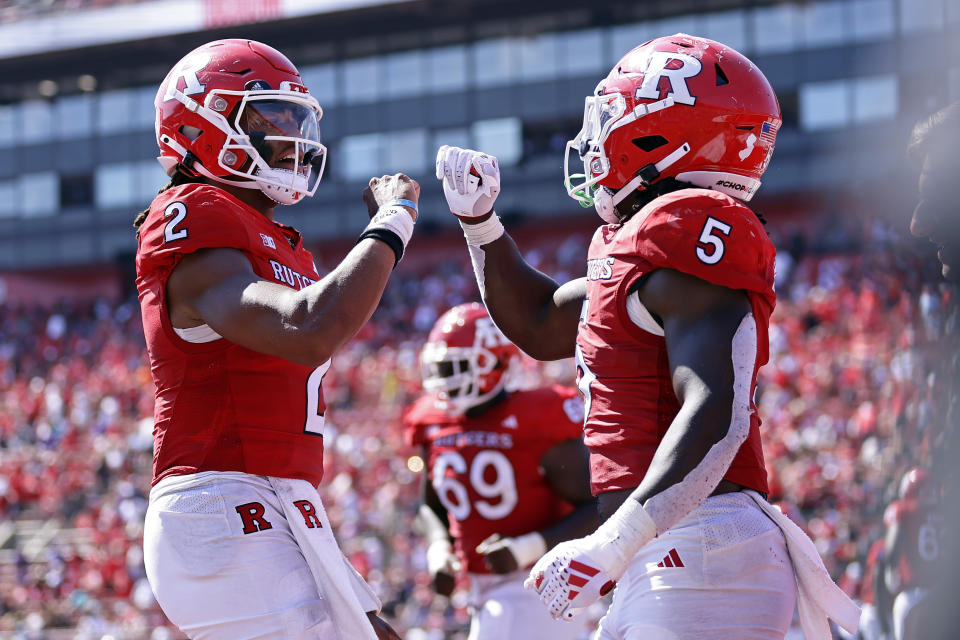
192,133
649,143
721,76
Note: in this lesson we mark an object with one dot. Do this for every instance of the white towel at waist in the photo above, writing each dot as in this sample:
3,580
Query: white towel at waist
818,598
349,601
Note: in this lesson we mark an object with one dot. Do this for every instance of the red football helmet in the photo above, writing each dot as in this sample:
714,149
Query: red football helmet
917,485
466,360
237,112
682,107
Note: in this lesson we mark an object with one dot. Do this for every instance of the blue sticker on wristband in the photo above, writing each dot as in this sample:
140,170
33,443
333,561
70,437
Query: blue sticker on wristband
404,203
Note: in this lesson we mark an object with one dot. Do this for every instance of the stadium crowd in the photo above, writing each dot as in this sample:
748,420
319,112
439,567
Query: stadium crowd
847,403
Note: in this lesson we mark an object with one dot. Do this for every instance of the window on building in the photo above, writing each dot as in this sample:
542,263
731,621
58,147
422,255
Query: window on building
501,137
115,185
446,69
629,36
404,74
495,62
789,108
361,156
824,105
875,98
539,57
454,137
775,28
361,80
728,27
36,121
321,80
406,151
547,140
76,190
581,53
39,194
921,15
690,24
150,178
115,111
824,24
872,19
74,116
144,111
8,126
8,199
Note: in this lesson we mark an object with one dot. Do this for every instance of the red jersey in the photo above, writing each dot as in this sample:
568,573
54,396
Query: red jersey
622,369
922,531
221,406
486,468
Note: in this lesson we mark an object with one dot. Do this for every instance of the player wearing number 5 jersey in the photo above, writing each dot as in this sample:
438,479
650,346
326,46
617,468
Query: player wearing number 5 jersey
507,474
240,328
669,328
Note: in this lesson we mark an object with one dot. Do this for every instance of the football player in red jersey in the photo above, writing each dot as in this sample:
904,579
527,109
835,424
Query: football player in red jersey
240,328
668,328
914,553
507,474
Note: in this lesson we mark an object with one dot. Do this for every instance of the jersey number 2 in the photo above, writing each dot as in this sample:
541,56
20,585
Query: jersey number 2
709,238
315,417
178,211
453,495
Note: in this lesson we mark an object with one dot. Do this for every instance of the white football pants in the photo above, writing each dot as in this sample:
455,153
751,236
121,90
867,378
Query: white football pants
504,610
722,572
233,556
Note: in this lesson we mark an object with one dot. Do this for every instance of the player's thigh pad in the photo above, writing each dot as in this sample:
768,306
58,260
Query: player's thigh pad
721,572
503,609
223,563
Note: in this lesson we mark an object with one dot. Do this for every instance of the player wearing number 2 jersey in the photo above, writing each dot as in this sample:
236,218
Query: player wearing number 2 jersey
669,328
507,474
240,328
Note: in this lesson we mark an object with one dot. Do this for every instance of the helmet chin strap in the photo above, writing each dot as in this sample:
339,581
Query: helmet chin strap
606,202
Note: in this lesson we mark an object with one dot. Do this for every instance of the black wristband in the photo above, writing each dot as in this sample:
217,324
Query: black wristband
387,237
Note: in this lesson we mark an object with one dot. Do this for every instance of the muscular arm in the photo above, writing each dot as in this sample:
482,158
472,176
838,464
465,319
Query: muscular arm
531,309
712,354
432,518
566,466
218,287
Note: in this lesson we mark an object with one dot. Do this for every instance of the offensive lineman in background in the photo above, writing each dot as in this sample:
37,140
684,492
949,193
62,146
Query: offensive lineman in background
240,329
669,328
507,474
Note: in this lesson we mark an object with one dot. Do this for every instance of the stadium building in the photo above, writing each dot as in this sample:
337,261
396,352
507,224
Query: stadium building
398,79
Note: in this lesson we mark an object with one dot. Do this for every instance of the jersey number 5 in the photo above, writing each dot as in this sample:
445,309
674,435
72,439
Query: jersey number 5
453,495
708,237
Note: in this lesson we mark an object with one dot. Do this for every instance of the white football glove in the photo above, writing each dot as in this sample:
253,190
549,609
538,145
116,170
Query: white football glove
576,573
569,578
441,558
469,195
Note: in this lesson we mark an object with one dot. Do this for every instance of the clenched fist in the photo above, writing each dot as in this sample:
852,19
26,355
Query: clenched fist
471,181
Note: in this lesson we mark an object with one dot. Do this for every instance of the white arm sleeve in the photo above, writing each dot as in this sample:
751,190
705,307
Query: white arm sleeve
671,505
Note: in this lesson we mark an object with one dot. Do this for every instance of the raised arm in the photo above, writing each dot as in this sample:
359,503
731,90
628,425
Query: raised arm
218,287
536,313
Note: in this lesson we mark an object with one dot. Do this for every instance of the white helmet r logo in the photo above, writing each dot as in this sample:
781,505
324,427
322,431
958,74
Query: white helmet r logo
187,69
676,68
